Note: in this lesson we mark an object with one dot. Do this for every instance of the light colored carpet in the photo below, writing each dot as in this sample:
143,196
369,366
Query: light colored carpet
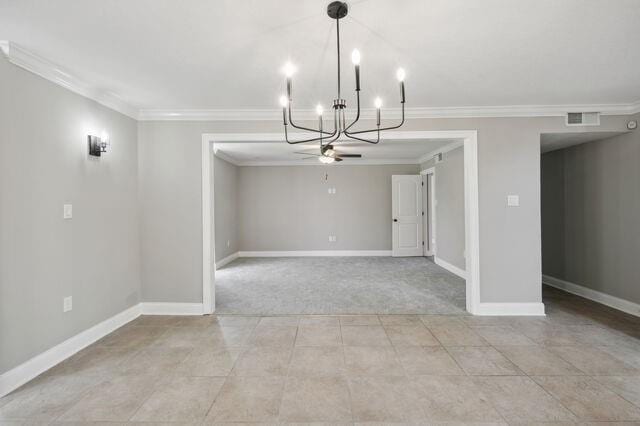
337,285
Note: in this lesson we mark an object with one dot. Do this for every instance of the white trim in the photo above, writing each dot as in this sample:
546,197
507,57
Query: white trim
597,296
450,267
222,262
510,309
40,363
430,248
208,249
40,66
316,253
471,222
162,308
271,114
450,147
472,218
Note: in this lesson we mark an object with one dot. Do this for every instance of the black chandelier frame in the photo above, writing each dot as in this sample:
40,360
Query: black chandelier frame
338,10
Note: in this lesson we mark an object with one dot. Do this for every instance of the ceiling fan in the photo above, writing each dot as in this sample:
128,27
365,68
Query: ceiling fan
328,154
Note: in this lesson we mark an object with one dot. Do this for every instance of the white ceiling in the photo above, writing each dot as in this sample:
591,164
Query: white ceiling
277,153
225,54
553,141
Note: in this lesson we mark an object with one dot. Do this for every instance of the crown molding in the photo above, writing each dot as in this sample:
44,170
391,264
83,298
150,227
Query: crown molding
224,156
350,162
446,148
312,162
506,111
40,66
634,108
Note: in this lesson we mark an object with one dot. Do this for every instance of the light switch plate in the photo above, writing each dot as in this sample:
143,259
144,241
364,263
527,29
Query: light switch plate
513,200
67,304
67,211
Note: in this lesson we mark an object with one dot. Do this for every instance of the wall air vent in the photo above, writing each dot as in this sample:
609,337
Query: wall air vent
583,119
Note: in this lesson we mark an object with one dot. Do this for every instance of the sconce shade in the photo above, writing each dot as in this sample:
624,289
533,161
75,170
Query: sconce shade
97,145
94,146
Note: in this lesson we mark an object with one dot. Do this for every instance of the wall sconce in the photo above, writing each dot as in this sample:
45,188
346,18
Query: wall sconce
98,145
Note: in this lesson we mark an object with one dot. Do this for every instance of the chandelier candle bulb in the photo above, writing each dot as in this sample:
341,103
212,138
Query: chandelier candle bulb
283,104
289,69
400,75
355,57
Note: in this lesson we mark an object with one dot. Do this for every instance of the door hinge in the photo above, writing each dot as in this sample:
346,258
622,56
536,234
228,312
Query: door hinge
422,213
423,243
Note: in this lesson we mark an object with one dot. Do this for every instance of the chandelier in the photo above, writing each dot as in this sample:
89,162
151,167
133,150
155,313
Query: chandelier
337,10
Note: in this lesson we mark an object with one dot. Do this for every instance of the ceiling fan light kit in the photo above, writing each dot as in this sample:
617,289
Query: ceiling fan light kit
337,10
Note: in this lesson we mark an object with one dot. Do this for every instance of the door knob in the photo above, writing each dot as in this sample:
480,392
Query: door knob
395,220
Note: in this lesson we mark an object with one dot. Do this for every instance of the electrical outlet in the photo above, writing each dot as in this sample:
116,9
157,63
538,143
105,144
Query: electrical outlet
67,304
332,238
67,211
228,243
513,200
331,191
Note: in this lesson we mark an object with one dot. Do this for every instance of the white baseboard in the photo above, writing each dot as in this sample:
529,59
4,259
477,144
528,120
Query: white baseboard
451,268
220,263
512,309
597,296
161,308
37,365
313,253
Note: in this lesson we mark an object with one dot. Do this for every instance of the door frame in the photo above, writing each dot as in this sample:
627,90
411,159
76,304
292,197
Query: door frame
429,249
471,197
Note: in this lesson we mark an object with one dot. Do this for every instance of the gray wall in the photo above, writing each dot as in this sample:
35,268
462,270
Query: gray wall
225,187
450,233
601,238
509,163
94,257
289,208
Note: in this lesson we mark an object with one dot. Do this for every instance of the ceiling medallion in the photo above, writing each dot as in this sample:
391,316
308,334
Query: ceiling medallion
337,10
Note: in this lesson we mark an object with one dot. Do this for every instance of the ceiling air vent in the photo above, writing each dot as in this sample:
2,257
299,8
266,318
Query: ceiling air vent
583,119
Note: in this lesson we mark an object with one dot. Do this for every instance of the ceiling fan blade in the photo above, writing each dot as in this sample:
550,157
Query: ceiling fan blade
350,155
337,159
307,158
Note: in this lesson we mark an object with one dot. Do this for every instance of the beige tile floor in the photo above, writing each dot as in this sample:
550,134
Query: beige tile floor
580,364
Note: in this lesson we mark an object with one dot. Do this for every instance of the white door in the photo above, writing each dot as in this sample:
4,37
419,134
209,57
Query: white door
406,211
